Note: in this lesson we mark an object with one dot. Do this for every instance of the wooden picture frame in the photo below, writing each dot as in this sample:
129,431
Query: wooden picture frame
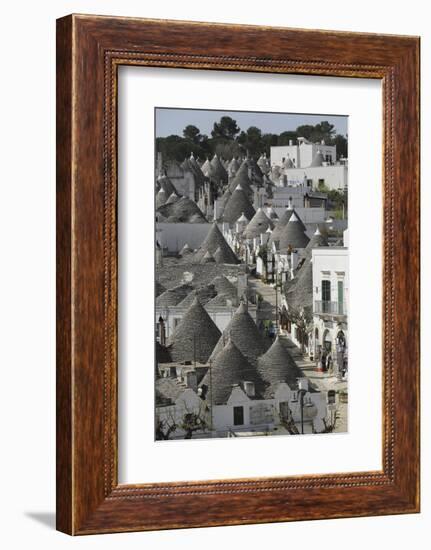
89,51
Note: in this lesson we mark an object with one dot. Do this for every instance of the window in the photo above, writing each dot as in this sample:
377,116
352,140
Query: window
326,291
238,416
340,297
176,321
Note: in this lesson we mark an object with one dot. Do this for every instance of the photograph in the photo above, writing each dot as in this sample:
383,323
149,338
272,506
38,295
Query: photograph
251,273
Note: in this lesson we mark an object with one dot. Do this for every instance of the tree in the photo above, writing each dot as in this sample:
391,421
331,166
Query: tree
285,137
227,128
321,131
341,142
252,140
192,133
193,422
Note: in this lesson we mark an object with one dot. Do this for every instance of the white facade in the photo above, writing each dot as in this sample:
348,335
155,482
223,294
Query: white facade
302,154
333,176
330,307
264,415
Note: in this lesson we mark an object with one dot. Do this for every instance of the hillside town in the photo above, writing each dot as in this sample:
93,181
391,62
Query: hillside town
252,289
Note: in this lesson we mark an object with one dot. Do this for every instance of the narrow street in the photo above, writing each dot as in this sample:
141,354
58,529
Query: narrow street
322,381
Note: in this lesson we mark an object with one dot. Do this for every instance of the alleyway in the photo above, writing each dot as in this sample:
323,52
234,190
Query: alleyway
322,381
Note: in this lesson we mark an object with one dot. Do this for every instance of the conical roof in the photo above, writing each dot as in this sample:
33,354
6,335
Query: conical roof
236,205
203,294
159,288
212,242
219,170
161,197
293,234
195,335
243,332
300,294
228,369
207,169
173,296
223,285
233,166
282,222
186,250
208,257
316,240
272,214
288,163
264,164
258,225
182,211
167,186
318,159
242,219
173,198
277,365
241,178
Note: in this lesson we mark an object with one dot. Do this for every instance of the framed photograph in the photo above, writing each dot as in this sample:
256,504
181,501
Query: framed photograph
237,264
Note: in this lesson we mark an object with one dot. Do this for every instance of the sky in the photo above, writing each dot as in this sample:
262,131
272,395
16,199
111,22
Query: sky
173,121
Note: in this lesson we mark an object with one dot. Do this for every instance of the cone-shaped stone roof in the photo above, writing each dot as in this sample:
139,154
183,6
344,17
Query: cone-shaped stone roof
288,163
182,211
223,285
208,258
195,336
230,368
300,294
186,250
241,178
236,205
159,288
173,296
317,239
161,197
242,330
212,242
203,294
277,365
167,186
279,226
272,214
233,166
207,169
219,171
293,234
173,198
258,225
317,159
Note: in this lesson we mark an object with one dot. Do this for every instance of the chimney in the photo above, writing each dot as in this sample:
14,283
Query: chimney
249,388
303,384
192,380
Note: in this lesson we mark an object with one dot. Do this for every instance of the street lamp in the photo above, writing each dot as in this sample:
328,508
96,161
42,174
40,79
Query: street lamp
308,409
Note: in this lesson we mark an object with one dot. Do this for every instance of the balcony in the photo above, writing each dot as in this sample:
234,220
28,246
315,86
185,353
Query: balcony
329,308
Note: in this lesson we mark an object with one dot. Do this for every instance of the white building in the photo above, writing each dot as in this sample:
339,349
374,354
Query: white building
302,154
309,165
330,307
